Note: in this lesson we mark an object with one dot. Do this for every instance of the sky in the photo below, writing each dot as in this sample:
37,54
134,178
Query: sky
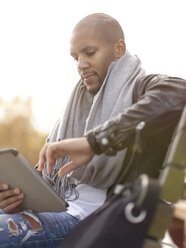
34,46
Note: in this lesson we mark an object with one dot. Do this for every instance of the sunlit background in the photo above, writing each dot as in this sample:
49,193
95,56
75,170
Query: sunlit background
34,46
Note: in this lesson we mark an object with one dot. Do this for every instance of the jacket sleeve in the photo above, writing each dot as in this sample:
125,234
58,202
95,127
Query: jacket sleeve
153,96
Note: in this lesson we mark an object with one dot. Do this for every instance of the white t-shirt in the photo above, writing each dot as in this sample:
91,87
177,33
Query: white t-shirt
88,201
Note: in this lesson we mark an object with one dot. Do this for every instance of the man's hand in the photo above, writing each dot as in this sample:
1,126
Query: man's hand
10,199
78,149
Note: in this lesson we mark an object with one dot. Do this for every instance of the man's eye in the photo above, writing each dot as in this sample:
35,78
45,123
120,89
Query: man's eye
90,53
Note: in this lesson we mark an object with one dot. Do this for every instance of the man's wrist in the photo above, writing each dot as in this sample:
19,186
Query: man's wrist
93,142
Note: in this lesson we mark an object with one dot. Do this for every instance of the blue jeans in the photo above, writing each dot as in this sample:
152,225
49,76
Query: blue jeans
28,229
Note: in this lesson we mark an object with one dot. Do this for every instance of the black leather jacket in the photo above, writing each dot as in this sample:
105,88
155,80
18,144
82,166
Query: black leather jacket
158,101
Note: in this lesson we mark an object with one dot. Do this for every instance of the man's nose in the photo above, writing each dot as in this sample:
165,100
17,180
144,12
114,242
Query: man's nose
82,64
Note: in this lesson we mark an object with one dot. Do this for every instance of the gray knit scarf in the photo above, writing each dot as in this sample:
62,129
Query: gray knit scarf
84,113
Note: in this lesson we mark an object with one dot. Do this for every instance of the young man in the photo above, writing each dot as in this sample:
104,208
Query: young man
112,82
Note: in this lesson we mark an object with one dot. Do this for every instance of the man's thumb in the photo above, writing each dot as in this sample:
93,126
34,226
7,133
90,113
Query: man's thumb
67,168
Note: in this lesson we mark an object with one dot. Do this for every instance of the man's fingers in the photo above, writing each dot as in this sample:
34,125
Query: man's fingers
42,158
48,155
41,164
67,168
50,165
4,186
13,207
51,159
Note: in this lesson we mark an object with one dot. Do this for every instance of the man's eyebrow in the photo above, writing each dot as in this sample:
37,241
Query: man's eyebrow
73,54
87,48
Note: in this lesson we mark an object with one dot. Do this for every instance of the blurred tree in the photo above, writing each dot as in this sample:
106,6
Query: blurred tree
17,129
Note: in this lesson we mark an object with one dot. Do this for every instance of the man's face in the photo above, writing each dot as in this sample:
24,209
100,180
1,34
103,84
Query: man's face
93,56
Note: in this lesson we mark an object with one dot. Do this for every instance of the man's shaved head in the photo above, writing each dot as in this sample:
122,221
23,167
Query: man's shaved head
105,26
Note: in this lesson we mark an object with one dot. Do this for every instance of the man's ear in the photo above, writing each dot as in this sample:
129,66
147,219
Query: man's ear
119,48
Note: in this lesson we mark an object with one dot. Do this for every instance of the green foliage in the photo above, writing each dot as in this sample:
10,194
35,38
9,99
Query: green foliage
17,129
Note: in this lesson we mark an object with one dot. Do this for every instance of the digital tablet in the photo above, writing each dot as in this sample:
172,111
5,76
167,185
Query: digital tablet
16,171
